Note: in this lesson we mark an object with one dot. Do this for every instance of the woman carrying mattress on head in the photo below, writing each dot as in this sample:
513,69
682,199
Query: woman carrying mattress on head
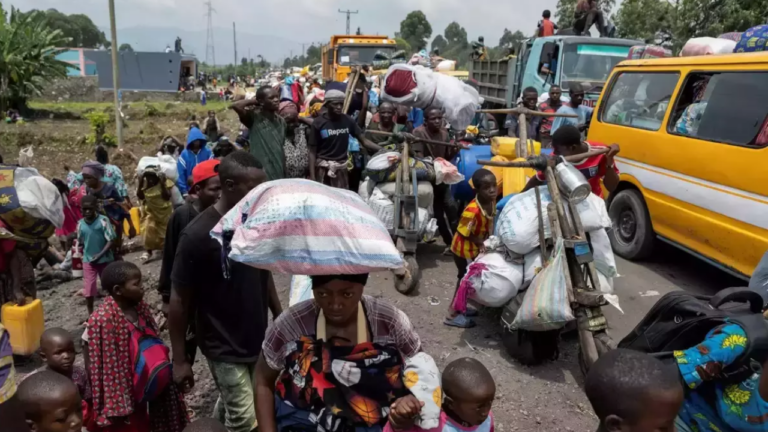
335,362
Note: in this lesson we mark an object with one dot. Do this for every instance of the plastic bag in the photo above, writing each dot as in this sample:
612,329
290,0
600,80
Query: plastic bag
707,46
366,189
25,157
301,289
383,208
422,377
592,212
546,305
497,281
37,197
299,226
602,252
518,224
446,172
383,161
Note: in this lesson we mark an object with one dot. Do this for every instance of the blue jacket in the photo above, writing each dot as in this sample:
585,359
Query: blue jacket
188,160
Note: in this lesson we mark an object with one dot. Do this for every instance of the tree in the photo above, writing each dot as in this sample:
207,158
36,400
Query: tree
416,30
28,49
314,54
456,36
509,39
403,44
79,28
566,9
244,61
125,47
439,43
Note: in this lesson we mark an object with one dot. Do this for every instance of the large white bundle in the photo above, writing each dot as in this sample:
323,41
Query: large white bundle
428,88
446,66
38,197
383,208
518,224
425,194
166,164
496,281
707,46
532,265
602,252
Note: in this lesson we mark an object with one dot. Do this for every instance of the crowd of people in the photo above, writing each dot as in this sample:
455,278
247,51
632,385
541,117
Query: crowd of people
333,363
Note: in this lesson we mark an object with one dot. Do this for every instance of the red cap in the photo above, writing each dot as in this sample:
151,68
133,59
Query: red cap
205,170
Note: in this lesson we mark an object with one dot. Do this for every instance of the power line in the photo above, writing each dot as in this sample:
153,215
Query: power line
348,12
210,50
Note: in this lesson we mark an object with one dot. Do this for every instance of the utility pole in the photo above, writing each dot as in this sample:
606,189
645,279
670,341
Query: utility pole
348,12
116,75
234,37
210,51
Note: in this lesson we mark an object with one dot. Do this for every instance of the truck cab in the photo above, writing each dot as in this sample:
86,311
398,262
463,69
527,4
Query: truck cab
542,62
347,51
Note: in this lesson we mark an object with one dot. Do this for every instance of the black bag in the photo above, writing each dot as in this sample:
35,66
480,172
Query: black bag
680,320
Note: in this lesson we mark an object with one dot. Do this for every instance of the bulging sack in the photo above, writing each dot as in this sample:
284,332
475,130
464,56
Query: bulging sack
31,205
302,227
546,305
602,252
497,281
166,164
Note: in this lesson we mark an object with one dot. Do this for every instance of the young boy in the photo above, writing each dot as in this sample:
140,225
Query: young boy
469,391
121,322
51,403
631,391
57,350
96,235
475,226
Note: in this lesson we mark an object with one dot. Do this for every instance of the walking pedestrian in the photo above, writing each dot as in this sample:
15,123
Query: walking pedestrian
267,130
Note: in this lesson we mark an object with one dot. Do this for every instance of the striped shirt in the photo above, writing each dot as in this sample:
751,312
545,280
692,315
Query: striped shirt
474,222
388,326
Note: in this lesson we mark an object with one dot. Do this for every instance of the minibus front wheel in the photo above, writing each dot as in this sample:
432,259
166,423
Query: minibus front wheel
632,236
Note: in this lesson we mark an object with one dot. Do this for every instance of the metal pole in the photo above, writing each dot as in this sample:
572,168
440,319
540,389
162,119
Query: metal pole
234,38
115,75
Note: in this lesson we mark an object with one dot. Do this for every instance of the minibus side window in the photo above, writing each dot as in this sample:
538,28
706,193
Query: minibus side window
726,107
640,99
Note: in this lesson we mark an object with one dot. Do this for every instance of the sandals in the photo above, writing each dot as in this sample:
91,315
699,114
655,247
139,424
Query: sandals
145,257
459,321
471,312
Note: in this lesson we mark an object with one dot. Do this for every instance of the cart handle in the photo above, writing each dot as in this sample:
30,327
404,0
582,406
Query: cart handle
526,111
428,141
537,161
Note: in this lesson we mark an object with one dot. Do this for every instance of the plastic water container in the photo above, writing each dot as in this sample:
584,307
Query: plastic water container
77,260
25,324
505,146
135,220
466,162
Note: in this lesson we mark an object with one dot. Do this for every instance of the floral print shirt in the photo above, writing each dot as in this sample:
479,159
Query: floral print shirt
738,407
297,154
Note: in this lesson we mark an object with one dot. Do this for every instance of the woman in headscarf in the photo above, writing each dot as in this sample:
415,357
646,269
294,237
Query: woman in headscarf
156,209
110,200
296,150
112,175
333,363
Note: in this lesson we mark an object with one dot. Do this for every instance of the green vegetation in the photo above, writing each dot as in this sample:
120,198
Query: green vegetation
78,28
98,135
28,48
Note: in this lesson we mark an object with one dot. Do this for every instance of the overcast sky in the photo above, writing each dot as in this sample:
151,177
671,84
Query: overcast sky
310,20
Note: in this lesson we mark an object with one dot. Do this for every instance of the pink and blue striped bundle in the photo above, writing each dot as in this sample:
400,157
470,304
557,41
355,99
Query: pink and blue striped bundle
303,227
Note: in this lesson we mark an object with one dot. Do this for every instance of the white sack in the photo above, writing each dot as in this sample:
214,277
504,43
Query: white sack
383,207
602,252
38,196
532,265
499,282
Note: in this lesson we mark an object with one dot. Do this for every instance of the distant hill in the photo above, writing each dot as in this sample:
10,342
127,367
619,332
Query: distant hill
273,48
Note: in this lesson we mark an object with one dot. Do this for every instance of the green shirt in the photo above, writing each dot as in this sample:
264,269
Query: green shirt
267,139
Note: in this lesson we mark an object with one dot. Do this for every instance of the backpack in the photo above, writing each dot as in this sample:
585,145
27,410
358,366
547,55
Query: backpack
680,320
152,371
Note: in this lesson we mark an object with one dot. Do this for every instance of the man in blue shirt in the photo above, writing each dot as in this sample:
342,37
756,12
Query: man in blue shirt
574,107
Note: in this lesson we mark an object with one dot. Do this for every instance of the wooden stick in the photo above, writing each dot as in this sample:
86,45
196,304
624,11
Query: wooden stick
542,238
350,91
526,111
527,164
428,141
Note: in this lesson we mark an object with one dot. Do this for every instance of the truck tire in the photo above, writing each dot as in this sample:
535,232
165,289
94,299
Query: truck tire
632,236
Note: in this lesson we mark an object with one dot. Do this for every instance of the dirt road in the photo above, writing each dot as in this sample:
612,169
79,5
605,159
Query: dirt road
544,398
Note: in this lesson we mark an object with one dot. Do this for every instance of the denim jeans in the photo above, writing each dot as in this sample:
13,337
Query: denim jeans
235,406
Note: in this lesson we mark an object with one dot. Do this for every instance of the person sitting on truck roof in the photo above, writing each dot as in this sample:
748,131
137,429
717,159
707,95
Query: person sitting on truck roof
529,100
567,142
546,27
575,106
588,13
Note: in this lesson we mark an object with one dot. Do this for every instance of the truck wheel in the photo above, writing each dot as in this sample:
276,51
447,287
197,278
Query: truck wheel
632,236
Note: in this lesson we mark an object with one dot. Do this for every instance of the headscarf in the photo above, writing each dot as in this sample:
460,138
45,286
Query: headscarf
315,108
286,108
334,96
318,281
94,169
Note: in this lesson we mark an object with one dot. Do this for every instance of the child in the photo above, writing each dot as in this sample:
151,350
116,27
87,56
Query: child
51,403
475,226
97,235
205,425
469,390
156,209
109,199
121,334
634,392
72,215
57,350
211,127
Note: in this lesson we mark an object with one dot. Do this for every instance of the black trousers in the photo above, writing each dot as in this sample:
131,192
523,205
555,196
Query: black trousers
585,21
446,212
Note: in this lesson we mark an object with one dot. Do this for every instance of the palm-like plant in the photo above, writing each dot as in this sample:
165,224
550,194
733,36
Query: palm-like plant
28,49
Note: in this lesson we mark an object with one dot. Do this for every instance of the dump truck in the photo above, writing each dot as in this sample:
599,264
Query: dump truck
346,51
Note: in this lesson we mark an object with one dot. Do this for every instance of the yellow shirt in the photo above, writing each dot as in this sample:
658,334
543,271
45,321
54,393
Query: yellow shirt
474,222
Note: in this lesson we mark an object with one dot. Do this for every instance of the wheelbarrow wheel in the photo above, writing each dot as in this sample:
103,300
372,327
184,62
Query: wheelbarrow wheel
410,280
